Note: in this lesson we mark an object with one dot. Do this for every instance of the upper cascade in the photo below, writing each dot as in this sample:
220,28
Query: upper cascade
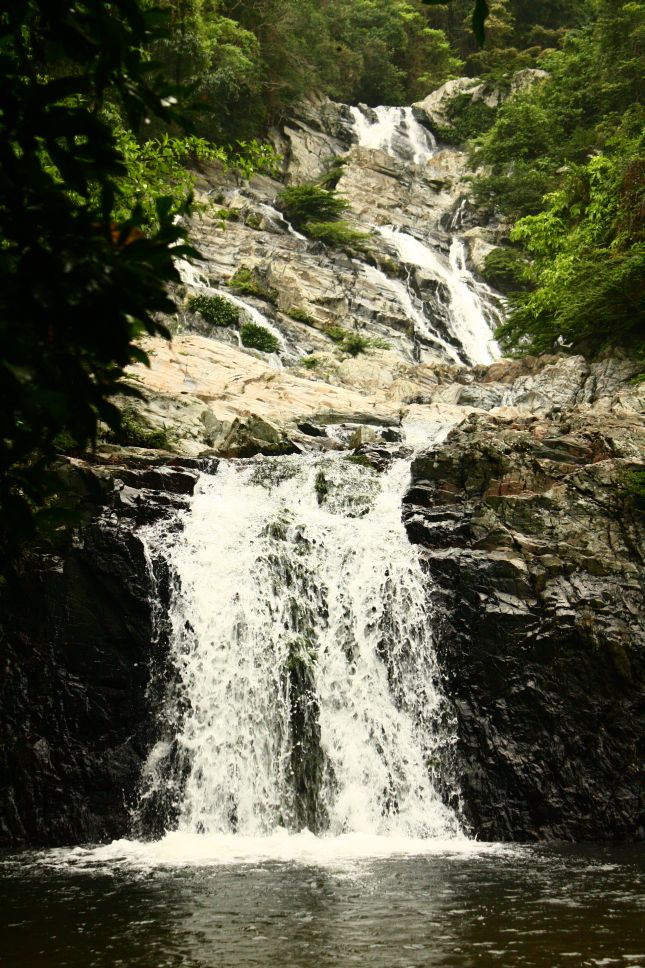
394,130
328,320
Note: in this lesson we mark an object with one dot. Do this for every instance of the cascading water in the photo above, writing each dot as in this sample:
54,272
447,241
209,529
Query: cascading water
307,690
466,309
394,130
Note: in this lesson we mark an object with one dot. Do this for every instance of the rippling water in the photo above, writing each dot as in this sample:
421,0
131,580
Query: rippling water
503,907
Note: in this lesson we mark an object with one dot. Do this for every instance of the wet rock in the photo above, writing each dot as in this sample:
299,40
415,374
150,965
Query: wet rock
534,550
76,669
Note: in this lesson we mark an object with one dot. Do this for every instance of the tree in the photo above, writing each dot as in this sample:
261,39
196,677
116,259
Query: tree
81,279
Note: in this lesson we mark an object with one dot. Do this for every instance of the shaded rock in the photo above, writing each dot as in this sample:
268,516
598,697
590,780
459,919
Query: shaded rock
534,549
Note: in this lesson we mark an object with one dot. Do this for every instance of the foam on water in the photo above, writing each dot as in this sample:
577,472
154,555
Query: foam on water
182,849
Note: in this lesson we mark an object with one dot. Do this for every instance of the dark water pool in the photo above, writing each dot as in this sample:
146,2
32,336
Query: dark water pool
530,907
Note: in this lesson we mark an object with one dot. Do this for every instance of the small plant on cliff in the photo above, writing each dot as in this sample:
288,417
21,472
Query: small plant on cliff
300,315
310,362
354,343
258,338
311,203
339,234
215,310
249,283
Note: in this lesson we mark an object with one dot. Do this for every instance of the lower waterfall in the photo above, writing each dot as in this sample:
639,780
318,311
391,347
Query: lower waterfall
306,693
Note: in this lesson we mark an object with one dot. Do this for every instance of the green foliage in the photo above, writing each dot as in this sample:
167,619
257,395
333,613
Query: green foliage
258,338
635,487
352,342
339,234
589,259
247,282
301,316
311,203
505,269
82,281
215,310
321,487
468,118
310,362
518,191
565,158
334,171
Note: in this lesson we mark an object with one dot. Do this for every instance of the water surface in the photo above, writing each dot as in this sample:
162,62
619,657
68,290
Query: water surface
521,906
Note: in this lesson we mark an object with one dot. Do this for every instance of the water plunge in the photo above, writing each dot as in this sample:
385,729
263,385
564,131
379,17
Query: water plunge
307,694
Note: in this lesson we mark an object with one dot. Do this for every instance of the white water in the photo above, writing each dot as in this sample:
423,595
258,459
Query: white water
414,313
272,213
466,308
395,131
267,580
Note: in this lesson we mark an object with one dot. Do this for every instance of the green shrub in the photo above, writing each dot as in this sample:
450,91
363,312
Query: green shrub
514,193
311,203
253,220
248,282
339,234
505,269
354,343
227,214
300,315
258,338
310,362
215,310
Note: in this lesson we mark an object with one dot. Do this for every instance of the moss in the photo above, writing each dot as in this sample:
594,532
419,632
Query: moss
258,338
247,282
310,362
635,488
300,315
215,310
253,220
359,459
132,433
321,487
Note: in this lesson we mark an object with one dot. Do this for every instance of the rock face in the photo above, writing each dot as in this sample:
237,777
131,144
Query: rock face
76,656
533,542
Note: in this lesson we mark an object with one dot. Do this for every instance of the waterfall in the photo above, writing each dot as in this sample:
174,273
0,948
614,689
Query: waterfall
394,130
466,308
307,694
